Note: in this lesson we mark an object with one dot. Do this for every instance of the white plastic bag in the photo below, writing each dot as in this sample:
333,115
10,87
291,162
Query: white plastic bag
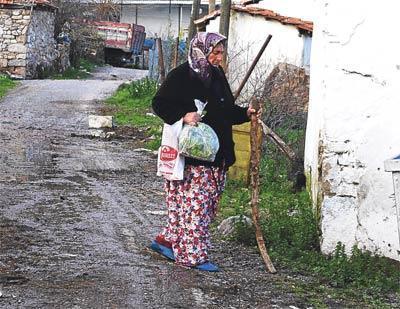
199,142
170,162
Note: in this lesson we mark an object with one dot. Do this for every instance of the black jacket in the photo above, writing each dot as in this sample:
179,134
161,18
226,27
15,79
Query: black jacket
176,97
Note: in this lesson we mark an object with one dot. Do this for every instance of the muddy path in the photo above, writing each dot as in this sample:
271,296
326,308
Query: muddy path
78,213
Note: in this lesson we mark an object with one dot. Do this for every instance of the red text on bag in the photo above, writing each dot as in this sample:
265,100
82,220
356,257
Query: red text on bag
168,153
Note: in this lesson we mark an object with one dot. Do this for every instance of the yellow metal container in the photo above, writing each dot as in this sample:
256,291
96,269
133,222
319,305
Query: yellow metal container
241,136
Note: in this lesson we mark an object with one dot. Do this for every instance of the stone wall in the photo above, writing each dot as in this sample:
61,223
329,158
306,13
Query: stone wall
62,61
41,44
27,44
287,87
14,25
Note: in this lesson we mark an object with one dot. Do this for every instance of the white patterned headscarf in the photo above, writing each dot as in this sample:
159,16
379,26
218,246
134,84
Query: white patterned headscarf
200,48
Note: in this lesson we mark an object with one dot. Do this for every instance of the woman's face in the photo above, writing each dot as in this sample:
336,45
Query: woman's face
216,56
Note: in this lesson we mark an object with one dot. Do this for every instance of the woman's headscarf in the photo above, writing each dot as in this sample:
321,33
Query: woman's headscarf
200,47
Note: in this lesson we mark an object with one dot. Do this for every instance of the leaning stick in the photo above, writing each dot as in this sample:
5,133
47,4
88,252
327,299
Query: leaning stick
268,131
256,140
253,65
278,141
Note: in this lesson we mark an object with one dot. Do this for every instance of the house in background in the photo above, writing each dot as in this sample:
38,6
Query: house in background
250,25
281,75
161,18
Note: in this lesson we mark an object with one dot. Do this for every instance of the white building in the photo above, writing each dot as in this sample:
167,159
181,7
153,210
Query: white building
353,110
352,124
162,18
250,25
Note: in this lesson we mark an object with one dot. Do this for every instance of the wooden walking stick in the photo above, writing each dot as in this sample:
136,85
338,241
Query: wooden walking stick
255,157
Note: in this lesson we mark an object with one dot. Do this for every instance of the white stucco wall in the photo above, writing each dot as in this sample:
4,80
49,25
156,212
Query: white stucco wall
353,124
157,19
246,36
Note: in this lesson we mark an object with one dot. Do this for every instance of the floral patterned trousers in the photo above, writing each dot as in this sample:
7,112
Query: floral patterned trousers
192,205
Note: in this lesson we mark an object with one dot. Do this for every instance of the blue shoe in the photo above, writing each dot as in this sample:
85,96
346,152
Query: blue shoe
207,266
164,251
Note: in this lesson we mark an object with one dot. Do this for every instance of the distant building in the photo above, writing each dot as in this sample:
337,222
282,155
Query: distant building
162,18
249,27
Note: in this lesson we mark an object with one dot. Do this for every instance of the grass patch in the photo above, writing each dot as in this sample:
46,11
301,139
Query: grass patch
82,71
292,237
132,103
6,84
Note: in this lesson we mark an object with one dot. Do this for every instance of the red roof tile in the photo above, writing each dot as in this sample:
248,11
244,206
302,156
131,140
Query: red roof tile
267,14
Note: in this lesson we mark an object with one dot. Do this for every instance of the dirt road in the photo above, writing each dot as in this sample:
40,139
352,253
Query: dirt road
78,213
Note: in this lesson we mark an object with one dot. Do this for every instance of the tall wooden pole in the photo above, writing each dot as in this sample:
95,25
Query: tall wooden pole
255,61
161,68
193,17
176,53
179,19
224,26
211,6
255,158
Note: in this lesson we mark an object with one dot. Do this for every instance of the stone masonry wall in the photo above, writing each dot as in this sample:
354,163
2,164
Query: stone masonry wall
41,44
14,25
27,45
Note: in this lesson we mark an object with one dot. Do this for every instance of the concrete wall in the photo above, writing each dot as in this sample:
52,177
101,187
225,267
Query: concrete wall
157,19
353,124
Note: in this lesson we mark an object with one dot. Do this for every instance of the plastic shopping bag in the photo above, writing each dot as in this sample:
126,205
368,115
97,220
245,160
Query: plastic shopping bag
199,142
170,163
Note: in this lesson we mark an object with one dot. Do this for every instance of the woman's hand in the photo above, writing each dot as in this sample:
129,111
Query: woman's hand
251,111
192,118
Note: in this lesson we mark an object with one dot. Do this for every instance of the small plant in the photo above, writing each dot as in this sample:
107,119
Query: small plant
81,71
6,84
291,232
133,108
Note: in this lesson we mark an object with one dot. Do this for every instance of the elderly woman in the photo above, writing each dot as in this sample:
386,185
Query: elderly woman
192,202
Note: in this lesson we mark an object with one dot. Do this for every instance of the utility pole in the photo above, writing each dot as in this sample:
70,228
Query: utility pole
193,17
224,25
179,19
211,6
120,12
136,14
